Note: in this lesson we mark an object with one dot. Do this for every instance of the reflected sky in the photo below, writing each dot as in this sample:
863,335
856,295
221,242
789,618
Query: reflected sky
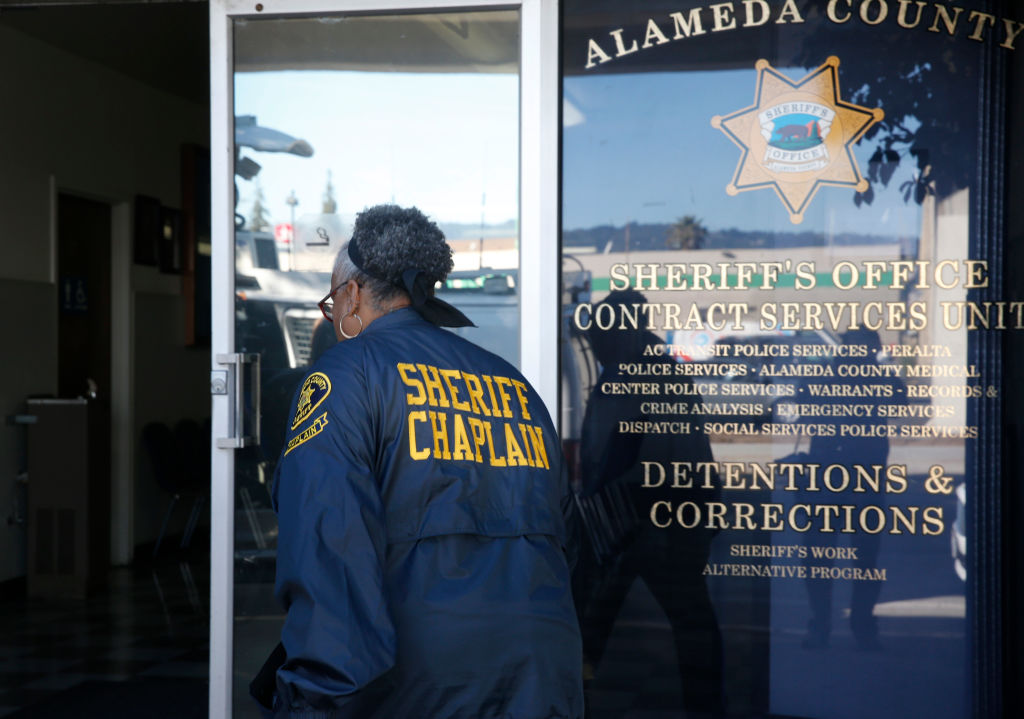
641,148
447,143
636,148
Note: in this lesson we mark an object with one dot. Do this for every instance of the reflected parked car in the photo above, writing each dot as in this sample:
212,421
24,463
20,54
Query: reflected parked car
275,310
490,298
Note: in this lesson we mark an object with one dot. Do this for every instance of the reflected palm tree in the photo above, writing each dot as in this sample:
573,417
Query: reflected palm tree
688,233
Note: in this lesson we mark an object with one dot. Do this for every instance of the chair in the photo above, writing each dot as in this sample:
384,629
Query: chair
176,459
194,445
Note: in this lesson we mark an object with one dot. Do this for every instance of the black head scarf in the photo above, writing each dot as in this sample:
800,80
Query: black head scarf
420,289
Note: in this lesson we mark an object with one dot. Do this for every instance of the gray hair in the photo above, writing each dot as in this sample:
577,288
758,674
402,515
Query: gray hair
394,239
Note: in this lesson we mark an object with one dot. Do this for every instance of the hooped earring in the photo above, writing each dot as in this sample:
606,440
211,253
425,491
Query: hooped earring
341,326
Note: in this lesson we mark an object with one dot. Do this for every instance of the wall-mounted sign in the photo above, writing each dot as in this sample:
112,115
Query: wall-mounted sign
74,295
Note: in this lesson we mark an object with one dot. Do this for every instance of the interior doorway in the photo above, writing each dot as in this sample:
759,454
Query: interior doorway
83,276
84,350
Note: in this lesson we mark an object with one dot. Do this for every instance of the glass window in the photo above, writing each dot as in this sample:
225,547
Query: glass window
781,351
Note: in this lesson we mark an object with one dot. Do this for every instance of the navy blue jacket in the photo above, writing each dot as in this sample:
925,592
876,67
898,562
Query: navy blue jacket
421,537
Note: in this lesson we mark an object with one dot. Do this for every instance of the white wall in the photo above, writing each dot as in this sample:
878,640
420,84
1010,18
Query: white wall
28,356
75,126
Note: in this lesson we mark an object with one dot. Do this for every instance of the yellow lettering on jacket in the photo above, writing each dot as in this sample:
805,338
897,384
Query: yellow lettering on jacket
465,417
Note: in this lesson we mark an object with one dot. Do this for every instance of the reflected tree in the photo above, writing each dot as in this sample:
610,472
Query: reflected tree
258,219
688,233
928,93
330,205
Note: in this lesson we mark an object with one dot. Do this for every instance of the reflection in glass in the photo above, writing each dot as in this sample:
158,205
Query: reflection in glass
621,474
332,115
790,402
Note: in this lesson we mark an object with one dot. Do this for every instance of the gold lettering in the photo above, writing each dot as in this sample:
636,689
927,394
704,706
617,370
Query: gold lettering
1011,33
404,368
830,11
693,319
476,426
749,6
896,479
789,10
744,516
620,47
526,445
476,394
827,512
458,404
654,512
539,450
496,460
488,380
898,518
687,26
435,391
770,519
521,393
716,515
879,521
512,449
901,15
722,13
757,13
417,416
618,276
792,517
654,33
439,424
463,447
941,13
595,55
982,18
883,11
503,384
933,518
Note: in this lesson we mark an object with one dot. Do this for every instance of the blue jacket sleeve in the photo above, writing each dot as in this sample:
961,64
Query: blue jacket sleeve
338,635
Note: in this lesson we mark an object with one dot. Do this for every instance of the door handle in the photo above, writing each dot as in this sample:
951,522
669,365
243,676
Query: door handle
241,383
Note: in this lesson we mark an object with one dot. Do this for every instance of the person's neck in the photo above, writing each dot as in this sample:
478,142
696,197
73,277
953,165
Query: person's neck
369,313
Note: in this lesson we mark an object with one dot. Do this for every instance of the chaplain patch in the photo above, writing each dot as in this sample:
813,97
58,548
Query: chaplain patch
314,391
308,433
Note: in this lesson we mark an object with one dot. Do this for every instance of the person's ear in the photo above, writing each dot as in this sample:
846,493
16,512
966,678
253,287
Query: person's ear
352,294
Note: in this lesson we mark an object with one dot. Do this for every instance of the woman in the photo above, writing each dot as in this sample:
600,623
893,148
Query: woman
419,496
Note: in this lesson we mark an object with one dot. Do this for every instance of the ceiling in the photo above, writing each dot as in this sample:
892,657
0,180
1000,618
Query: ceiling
162,44
433,42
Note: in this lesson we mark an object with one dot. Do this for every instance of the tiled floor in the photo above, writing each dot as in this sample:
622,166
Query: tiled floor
145,633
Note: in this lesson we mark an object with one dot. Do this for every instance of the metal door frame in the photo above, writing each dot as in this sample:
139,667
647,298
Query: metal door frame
538,241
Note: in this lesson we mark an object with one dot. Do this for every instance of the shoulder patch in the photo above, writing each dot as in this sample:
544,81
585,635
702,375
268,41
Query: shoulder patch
308,433
314,391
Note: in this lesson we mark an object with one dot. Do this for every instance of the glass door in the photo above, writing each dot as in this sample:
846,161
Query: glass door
318,114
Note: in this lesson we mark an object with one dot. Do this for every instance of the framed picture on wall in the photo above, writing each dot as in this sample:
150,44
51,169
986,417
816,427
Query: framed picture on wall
148,230
170,243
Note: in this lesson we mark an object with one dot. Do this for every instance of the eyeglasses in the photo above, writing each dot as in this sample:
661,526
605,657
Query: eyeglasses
326,305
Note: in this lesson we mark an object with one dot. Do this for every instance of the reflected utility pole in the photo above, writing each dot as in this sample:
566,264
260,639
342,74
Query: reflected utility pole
292,201
483,209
